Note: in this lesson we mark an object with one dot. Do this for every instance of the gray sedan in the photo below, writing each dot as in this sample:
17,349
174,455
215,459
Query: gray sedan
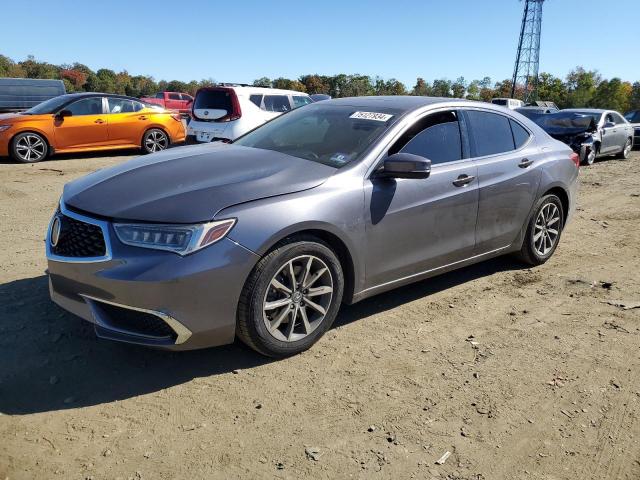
328,204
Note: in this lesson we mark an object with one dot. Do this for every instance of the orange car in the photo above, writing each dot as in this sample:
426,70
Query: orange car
82,122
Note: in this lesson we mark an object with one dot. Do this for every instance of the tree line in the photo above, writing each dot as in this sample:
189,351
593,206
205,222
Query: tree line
579,89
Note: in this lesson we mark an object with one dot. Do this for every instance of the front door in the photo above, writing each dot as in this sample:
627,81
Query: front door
85,128
417,225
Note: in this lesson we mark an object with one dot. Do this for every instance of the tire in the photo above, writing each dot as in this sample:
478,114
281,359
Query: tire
591,157
29,147
626,150
533,251
154,140
265,308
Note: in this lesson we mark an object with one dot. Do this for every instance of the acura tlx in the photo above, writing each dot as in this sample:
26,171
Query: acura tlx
334,202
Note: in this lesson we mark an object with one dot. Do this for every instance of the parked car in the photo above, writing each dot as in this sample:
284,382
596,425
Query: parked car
533,112
591,133
18,94
633,118
510,103
225,112
180,102
334,202
82,122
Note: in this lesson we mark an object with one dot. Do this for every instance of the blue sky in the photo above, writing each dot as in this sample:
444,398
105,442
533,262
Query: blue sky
238,41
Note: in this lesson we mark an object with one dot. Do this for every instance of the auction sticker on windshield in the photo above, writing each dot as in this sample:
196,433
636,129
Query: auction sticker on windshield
378,117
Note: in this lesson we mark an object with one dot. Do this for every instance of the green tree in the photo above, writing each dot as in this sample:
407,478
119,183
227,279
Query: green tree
486,92
503,89
634,100
473,90
315,83
441,88
612,94
459,88
552,89
421,88
262,82
581,87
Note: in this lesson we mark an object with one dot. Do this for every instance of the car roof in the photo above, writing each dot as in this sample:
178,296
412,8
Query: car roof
249,89
71,96
405,103
585,110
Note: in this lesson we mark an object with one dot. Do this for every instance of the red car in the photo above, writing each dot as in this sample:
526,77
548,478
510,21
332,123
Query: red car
180,102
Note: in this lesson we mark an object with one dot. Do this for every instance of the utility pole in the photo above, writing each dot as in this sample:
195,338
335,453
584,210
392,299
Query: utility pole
525,72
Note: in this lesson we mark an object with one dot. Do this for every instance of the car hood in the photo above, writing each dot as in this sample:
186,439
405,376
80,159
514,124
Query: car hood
191,184
16,117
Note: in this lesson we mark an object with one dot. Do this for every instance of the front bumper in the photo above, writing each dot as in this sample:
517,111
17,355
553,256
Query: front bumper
151,297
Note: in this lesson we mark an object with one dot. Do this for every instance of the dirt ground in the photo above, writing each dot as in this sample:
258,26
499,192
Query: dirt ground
518,373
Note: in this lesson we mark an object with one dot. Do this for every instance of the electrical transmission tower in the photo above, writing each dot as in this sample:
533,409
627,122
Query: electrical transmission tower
525,72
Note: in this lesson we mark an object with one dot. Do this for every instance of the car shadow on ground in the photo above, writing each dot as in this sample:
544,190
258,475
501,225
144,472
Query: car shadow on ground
51,360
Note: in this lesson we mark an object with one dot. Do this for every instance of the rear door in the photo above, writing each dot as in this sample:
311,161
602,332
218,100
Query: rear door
418,225
86,127
126,121
173,101
610,137
508,162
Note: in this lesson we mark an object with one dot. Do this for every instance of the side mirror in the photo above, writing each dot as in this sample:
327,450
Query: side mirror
609,125
405,165
64,113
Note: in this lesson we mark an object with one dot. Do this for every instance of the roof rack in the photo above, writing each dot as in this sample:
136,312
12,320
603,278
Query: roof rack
238,85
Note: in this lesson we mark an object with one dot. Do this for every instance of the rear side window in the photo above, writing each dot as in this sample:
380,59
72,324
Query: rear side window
277,103
174,96
618,118
188,98
160,95
120,105
213,99
520,135
256,100
491,133
436,137
300,101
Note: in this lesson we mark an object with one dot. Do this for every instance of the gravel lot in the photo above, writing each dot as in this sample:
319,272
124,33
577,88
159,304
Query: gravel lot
519,373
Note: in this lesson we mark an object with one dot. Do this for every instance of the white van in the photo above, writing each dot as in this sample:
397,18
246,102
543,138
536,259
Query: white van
225,112
510,103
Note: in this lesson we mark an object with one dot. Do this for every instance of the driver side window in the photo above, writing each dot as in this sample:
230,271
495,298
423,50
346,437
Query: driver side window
436,137
86,106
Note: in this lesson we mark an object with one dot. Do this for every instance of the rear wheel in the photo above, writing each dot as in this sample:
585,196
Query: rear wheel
29,147
155,140
291,298
626,151
543,231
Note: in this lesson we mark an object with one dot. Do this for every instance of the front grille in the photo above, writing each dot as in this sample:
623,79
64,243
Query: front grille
134,321
79,239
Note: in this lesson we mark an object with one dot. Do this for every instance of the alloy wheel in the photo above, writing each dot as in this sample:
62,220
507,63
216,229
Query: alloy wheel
156,141
297,298
627,149
30,148
547,229
591,156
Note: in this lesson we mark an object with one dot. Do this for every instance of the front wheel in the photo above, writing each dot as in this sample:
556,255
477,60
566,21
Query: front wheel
29,147
155,140
291,298
543,231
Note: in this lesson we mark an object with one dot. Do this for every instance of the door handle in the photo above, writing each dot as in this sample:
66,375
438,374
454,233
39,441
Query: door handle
525,162
99,121
463,180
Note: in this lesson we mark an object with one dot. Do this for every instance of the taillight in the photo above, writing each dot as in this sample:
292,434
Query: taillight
575,158
235,112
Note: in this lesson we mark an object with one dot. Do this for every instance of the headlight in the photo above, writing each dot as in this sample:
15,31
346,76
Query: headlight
180,239
4,127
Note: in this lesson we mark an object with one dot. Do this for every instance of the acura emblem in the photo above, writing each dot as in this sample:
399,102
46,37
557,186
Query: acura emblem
55,231
206,112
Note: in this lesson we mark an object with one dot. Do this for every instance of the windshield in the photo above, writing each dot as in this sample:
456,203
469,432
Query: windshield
330,134
49,106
